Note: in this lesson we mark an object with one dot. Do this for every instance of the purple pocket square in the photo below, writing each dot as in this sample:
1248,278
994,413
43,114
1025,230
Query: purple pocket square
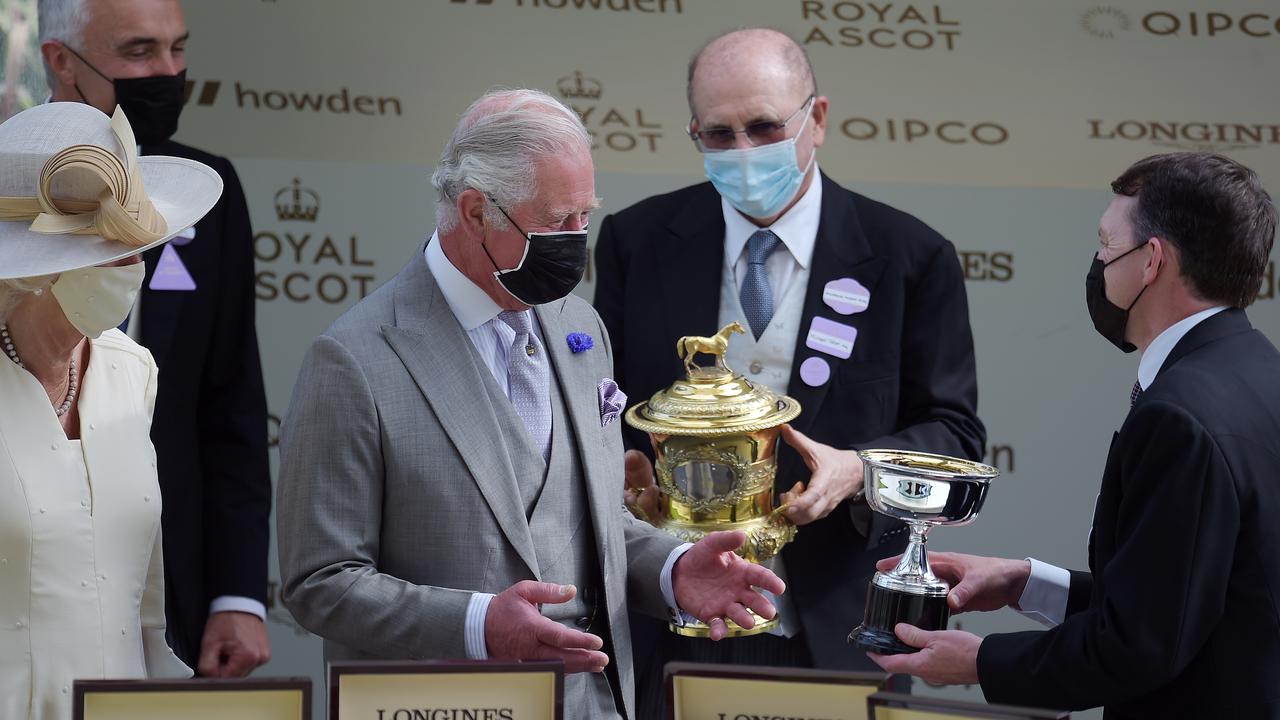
612,401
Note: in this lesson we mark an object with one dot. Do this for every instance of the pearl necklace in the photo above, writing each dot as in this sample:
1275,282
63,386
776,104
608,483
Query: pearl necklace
73,385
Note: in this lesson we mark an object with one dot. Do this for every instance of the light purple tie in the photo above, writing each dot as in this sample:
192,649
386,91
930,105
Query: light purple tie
528,379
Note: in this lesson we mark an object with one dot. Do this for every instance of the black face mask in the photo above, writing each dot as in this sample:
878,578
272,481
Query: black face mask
552,265
1109,319
152,104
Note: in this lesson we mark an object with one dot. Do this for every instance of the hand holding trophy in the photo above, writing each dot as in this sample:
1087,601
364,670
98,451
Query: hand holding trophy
922,490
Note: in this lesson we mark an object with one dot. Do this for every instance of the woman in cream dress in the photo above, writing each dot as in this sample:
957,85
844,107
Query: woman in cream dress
81,572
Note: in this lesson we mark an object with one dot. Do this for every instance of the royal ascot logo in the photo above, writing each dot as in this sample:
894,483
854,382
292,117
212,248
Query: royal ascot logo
341,102
612,128
308,266
1183,135
675,7
917,130
884,25
1105,21
297,203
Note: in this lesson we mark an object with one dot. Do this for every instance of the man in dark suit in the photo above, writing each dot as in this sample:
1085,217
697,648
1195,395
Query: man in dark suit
1179,615
196,316
856,309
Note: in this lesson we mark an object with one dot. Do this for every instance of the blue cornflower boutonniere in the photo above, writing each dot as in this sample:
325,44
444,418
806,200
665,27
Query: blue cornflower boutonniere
579,342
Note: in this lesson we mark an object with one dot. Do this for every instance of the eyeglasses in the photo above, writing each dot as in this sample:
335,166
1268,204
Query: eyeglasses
760,133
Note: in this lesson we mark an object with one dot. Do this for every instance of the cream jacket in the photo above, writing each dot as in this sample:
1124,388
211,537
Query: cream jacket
81,573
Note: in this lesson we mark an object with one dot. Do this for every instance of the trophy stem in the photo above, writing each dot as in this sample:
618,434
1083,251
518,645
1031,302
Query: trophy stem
914,562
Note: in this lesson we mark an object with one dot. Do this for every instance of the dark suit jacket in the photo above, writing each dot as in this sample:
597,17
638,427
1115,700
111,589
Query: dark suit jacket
909,383
210,425
1181,614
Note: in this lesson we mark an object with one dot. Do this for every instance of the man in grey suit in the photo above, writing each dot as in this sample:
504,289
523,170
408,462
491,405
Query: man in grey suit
451,457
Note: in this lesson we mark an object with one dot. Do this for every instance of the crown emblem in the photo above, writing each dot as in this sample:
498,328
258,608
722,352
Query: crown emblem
297,203
579,87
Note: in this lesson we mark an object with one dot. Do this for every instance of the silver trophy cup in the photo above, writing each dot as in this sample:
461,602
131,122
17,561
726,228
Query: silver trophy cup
921,490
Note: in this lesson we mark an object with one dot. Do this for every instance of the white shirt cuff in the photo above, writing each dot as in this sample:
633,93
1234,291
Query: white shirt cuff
1044,599
233,603
473,631
678,616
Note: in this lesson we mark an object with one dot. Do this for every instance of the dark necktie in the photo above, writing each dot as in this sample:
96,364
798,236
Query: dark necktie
1135,393
756,295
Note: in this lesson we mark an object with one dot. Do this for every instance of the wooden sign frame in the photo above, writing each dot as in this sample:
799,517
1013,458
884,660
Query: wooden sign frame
959,709
672,670
81,688
337,670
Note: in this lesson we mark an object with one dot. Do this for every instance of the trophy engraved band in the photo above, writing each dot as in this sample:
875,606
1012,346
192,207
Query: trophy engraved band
715,437
922,490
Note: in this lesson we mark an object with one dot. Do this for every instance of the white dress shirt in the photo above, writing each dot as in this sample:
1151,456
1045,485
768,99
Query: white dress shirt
492,338
797,229
1044,599
768,360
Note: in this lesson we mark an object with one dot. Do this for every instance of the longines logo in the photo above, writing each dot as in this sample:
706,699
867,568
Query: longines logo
619,129
1184,135
341,102
911,130
640,6
305,266
882,25
1105,21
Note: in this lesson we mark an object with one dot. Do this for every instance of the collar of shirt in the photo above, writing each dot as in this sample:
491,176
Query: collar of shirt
1158,351
471,305
797,228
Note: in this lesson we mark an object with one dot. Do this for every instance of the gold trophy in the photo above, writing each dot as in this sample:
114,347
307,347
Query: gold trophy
715,438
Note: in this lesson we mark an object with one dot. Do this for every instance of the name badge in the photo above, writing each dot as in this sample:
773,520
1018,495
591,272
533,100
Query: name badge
846,296
831,337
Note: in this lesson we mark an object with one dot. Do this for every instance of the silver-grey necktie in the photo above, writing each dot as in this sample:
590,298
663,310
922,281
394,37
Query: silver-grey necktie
756,295
529,378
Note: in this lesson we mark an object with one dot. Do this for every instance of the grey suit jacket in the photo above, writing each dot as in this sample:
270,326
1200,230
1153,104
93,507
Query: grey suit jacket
393,504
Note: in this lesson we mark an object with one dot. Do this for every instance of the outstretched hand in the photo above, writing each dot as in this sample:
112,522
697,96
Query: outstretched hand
515,630
712,583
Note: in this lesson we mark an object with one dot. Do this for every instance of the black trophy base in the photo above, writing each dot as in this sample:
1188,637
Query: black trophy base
886,608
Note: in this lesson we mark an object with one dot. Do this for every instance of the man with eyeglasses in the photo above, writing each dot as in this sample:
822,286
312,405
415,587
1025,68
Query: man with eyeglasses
855,309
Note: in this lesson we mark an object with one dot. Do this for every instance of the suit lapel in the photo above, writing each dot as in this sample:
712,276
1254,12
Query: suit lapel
437,353
692,257
579,388
840,250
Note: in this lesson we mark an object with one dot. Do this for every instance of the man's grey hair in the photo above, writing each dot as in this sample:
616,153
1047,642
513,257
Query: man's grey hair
496,147
64,21
13,292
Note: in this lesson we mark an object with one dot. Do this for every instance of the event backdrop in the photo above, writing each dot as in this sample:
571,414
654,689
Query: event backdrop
998,122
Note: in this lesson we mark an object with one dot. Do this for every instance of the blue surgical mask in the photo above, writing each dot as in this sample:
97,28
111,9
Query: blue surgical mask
758,181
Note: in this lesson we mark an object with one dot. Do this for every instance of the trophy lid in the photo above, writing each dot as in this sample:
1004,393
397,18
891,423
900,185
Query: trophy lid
711,400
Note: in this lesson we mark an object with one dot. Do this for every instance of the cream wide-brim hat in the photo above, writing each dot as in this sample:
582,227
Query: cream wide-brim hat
182,191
